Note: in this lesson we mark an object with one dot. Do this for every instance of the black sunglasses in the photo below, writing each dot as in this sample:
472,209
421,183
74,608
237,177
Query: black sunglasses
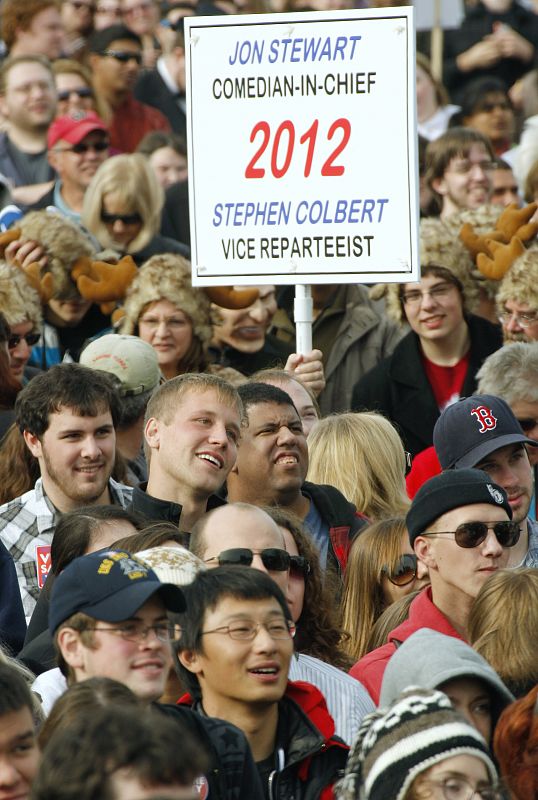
299,567
471,534
404,571
127,219
273,558
82,148
29,338
81,93
123,56
528,424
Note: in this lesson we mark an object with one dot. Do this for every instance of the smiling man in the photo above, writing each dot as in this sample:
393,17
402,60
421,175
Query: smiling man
67,417
482,431
234,655
271,467
461,528
77,146
192,430
459,170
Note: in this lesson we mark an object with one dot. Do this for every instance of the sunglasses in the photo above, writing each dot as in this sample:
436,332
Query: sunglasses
81,93
404,571
528,424
81,148
127,219
471,534
299,567
29,338
273,558
123,56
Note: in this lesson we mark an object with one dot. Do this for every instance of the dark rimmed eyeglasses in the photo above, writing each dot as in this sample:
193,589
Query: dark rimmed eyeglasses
123,56
126,219
273,558
471,534
81,148
404,571
29,338
246,630
82,93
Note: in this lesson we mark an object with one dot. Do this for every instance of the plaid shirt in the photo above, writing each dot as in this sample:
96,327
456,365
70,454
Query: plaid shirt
29,521
531,559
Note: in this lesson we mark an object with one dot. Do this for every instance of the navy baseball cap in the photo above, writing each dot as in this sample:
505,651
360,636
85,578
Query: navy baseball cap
471,429
110,585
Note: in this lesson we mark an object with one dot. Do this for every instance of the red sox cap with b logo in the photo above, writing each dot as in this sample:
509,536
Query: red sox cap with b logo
471,429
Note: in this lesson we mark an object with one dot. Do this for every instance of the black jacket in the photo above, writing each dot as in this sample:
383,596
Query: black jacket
343,520
274,353
399,389
477,24
232,773
152,90
162,510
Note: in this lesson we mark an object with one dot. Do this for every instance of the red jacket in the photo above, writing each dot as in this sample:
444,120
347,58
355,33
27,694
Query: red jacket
422,614
315,757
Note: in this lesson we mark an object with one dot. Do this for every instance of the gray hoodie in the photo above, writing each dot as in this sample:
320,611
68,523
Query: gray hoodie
428,659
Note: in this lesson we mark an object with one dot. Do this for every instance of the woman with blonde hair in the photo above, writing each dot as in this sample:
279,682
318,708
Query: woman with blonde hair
122,208
363,456
381,569
503,627
164,309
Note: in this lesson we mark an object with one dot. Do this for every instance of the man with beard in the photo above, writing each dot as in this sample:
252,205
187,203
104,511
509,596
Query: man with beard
482,432
115,59
28,103
67,417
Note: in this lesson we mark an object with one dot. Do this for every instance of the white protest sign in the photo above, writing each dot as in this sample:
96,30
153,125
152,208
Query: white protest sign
302,148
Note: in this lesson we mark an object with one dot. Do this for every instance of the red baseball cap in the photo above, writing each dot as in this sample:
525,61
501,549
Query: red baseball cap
73,129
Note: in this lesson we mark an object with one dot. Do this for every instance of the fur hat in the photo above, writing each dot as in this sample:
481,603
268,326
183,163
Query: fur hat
167,277
439,247
64,242
521,281
19,302
396,744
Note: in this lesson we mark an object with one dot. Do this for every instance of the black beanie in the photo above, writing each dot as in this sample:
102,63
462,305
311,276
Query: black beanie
450,490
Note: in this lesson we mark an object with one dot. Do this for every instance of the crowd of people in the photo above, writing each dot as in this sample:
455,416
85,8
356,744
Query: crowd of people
230,570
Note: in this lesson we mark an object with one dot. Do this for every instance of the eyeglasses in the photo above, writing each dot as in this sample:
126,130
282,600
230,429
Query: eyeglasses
524,318
246,630
471,534
404,571
138,632
528,424
123,56
81,148
456,787
29,338
438,292
273,558
169,322
299,567
81,93
464,167
126,219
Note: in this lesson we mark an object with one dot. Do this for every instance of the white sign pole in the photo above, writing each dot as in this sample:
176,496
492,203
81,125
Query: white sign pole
303,313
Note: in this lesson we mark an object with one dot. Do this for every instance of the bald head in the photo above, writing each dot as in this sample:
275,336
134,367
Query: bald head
238,525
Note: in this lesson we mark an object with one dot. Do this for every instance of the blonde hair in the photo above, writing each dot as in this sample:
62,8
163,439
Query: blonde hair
363,456
168,277
379,546
520,283
166,399
504,619
133,181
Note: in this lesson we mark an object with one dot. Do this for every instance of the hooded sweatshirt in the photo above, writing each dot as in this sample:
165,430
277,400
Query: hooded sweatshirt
429,659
